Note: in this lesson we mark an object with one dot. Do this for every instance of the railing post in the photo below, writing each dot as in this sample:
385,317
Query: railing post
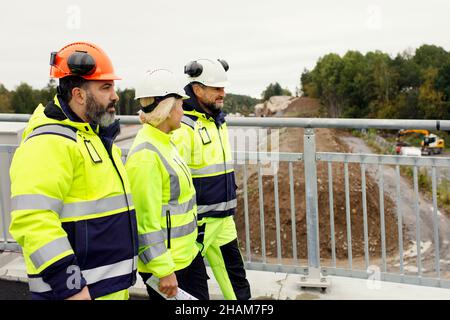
314,277
312,219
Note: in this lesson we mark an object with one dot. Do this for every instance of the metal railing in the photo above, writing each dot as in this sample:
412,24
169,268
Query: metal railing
428,246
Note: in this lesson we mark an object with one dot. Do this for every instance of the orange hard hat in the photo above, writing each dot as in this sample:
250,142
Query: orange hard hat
82,59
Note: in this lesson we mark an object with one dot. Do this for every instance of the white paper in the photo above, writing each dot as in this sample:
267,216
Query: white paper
153,282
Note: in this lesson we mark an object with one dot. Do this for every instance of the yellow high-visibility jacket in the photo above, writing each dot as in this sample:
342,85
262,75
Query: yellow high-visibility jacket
164,197
203,142
72,211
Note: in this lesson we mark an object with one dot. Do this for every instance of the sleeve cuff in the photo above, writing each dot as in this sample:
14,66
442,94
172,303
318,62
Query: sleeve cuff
64,277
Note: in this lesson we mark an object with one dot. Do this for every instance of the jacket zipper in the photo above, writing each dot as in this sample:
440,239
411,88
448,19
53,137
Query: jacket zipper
224,162
128,205
169,226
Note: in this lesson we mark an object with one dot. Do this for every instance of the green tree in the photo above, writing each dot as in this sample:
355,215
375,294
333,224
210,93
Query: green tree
408,71
353,85
274,89
5,100
24,99
430,99
443,81
236,103
307,85
431,56
127,105
48,93
326,75
412,85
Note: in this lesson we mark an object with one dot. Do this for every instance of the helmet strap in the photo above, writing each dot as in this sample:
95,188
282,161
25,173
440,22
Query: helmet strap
152,106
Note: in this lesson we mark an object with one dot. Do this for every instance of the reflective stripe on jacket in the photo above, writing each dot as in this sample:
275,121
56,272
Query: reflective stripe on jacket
204,145
164,197
72,211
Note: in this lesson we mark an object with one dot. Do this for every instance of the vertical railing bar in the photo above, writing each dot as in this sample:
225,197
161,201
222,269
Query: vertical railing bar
382,223
277,212
261,213
347,209
331,202
312,214
3,209
399,219
418,222
247,224
293,218
436,222
365,223
3,216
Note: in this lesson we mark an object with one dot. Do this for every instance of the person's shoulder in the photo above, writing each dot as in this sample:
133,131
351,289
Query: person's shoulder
55,132
189,120
143,151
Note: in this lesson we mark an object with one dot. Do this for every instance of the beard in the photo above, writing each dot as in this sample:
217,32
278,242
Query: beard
98,114
214,107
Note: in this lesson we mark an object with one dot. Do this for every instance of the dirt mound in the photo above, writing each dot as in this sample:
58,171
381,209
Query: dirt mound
327,140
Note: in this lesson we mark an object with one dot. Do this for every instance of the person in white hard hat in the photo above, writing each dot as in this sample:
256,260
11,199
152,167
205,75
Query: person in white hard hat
203,142
163,193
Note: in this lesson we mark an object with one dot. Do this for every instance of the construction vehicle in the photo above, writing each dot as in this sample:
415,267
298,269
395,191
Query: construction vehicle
430,144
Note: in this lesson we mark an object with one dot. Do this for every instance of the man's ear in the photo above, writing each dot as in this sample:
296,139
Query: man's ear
79,95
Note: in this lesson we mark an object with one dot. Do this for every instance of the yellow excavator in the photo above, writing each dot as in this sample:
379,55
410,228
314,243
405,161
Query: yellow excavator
430,144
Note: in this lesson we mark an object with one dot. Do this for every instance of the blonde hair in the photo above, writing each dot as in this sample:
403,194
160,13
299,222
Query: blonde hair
159,114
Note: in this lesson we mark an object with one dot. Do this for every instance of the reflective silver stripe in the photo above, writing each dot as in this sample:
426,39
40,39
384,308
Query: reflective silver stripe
49,251
82,208
174,181
161,235
214,168
179,208
152,252
222,206
92,275
38,285
150,238
188,121
35,201
109,271
177,232
54,129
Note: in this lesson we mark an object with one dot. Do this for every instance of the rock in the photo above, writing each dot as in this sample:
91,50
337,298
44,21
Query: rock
273,105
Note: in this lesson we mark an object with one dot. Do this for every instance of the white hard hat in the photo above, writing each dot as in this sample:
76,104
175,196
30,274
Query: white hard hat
211,73
159,83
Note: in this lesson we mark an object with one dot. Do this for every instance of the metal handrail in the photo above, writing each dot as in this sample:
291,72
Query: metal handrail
295,122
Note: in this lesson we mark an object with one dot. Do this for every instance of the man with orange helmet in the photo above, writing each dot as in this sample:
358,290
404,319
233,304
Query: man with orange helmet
72,211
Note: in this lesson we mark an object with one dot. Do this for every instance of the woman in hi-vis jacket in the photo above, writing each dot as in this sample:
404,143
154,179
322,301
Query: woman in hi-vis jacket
163,193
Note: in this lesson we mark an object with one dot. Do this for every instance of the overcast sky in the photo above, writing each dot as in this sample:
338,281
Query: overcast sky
263,41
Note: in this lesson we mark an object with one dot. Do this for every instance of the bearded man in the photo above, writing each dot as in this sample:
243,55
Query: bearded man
71,206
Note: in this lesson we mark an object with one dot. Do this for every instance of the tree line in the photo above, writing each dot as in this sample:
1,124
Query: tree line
24,99
411,85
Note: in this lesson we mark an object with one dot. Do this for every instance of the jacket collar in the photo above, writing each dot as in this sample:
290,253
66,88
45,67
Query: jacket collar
56,110
59,110
157,134
67,110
